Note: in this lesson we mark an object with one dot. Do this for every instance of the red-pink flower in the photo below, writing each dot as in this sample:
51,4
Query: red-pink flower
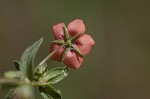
77,43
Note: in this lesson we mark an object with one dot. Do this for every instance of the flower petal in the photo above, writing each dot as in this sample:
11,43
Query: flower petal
73,60
58,55
85,43
58,31
76,26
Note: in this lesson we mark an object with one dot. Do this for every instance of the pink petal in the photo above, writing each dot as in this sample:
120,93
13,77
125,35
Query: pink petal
76,26
58,31
73,60
85,43
58,55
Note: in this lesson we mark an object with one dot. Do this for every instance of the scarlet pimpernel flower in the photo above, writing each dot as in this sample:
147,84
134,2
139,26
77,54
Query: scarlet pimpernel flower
76,43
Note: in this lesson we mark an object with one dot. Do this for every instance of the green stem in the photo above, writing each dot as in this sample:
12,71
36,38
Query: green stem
37,83
46,58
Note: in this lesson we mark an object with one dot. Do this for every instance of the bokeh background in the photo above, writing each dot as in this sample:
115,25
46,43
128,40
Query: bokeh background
118,66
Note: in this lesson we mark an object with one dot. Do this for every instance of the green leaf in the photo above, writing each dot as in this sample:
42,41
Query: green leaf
27,59
23,92
17,64
13,74
49,92
55,75
42,69
44,93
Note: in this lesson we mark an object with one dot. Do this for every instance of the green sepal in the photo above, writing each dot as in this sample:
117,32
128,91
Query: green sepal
58,41
27,59
65,52
77,50
66,33
49,92
75,37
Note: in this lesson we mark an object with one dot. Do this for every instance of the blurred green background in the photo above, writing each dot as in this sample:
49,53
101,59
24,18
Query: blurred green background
118,66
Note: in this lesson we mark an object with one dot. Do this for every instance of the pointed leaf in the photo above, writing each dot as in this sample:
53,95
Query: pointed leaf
55,75
27,59
45,96
17,64
44,93
49,92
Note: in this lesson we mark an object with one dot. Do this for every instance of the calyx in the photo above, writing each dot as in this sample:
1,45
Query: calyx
68,41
